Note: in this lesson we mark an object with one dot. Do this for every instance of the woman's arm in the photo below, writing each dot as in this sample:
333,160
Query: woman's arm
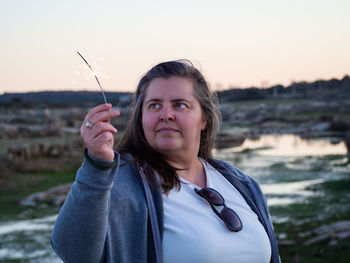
80,230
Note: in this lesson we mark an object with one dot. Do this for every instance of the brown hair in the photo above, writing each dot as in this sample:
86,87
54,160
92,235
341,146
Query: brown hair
134,141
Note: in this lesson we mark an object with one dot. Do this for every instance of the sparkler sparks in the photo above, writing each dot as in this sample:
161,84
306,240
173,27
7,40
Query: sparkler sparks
95,74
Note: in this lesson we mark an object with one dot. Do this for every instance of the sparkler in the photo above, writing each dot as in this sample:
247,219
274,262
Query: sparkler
94,73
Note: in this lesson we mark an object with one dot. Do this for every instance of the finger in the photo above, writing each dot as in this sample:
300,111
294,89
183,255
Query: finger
99,108
102,127
89,133
104,138
103,116
102,146
95,142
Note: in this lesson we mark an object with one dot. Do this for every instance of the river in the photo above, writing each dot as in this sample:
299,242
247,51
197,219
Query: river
284,165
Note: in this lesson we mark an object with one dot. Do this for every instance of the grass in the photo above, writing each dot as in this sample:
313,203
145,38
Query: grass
316,253
327,206
19,185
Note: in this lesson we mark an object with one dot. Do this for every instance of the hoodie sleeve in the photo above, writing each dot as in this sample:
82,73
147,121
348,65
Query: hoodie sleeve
80,230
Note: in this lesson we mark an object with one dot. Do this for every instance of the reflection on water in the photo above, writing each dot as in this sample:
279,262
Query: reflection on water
292,145
284,165
27,225
287,193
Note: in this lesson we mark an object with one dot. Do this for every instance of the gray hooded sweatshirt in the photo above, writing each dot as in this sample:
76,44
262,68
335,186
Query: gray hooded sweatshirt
112,215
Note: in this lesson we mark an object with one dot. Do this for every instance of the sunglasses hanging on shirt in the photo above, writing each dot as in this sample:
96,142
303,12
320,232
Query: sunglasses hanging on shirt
227,215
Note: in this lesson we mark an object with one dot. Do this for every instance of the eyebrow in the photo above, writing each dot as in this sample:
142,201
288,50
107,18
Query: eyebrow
174,100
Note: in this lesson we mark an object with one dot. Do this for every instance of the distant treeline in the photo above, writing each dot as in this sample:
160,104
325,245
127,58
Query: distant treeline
332,89
321,89
65,98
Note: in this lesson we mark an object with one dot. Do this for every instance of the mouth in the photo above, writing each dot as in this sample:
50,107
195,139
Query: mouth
167,130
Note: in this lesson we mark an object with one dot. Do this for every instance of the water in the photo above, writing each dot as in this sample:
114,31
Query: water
27,241
287,166
284,165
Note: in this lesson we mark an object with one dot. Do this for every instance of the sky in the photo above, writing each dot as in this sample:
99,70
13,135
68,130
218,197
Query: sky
235,43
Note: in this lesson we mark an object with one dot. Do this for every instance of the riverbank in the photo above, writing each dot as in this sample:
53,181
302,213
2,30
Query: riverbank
306,187
304,193
19,185
328,205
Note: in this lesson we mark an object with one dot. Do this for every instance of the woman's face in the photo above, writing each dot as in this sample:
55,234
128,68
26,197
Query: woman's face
172,118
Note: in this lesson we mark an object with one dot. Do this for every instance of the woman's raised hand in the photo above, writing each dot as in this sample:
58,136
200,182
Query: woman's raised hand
97,132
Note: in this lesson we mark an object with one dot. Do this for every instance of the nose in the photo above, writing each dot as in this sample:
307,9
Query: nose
167,114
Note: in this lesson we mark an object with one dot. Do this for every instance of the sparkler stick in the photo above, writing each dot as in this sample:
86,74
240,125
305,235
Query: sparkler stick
93,72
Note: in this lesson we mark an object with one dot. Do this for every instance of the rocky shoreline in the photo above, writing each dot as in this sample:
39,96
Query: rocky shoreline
307,118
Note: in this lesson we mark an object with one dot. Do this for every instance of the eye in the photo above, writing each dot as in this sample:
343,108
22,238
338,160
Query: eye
181,105
154,106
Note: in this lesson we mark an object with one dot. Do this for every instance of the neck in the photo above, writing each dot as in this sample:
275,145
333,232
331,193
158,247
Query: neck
191,169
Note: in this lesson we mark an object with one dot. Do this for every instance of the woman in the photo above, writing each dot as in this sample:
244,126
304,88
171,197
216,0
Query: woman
161,197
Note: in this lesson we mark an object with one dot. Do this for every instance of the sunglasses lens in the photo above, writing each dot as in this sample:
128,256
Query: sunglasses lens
231,219
213,196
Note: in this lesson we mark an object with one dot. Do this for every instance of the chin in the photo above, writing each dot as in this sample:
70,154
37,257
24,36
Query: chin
163,148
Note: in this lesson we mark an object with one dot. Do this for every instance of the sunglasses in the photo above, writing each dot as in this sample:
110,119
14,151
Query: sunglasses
227,215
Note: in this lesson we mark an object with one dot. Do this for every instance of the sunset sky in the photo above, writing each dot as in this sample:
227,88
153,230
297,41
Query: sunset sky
240,43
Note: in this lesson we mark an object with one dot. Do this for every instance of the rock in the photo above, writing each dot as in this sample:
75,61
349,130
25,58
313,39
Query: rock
335,141
329,234
227,140
32,199
227,111
340,226
70,130
321,230
273,125
286,243
54,196
333,243
58,200
323,126
27,152
333,228
343,235
347,141
319,239
7,131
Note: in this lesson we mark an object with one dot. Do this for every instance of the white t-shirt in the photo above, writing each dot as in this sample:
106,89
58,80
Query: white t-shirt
194,233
